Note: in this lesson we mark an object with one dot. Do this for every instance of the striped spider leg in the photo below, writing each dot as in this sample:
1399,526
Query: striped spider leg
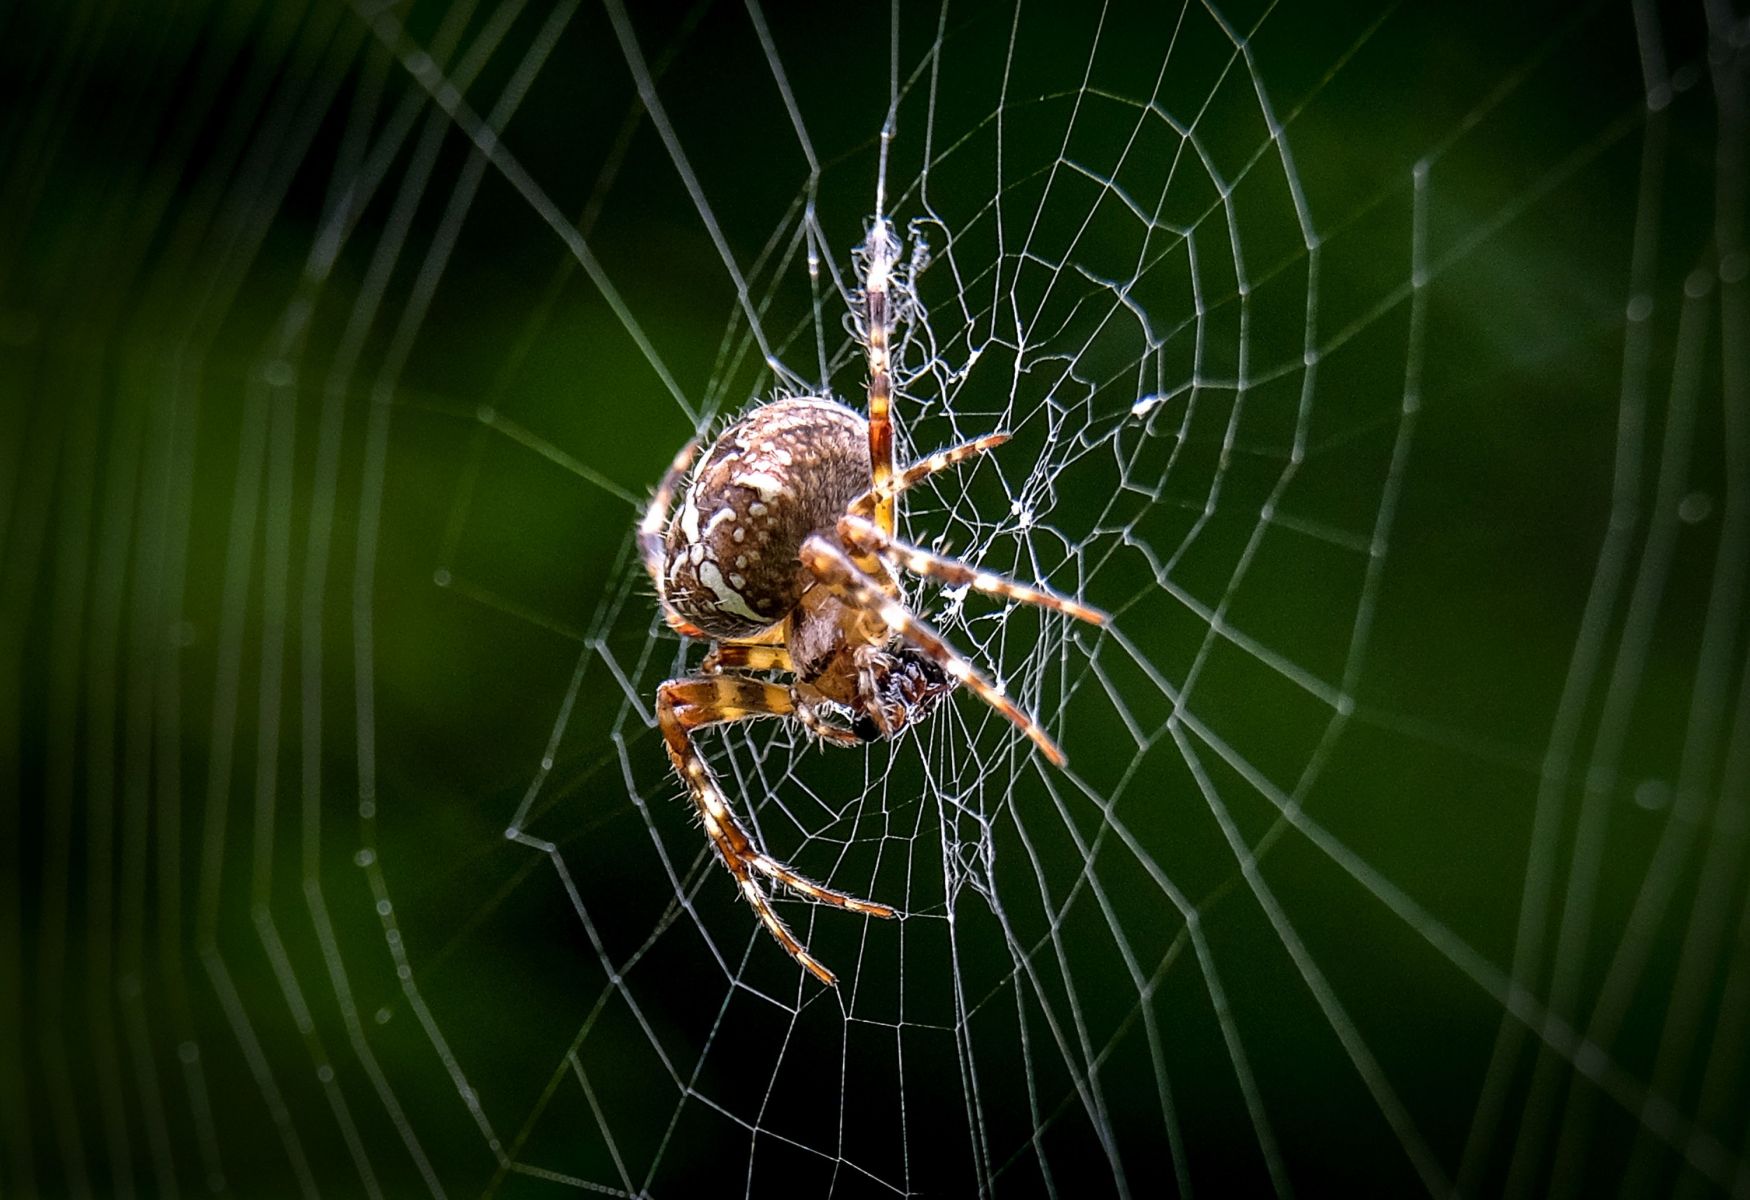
864,505
880,253
650,534
838,571
863,534
686,705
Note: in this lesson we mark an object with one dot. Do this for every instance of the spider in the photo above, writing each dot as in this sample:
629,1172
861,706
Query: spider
780,554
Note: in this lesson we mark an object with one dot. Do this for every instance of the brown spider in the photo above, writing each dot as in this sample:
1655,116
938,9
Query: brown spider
780,555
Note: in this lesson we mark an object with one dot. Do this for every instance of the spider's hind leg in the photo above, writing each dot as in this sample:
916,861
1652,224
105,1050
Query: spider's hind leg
763,652
683,705
763,655
650,531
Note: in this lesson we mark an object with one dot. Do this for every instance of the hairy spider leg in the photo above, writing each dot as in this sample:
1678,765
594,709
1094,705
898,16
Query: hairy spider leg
766,653
743,656
835,570
864,505
761,654
861,534
650,531
808,701
684,705
882,250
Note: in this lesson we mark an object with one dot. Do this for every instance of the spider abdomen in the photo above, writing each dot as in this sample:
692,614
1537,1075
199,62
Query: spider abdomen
786,470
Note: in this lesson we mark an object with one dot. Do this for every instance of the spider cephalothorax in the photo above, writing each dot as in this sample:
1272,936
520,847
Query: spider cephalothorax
780,552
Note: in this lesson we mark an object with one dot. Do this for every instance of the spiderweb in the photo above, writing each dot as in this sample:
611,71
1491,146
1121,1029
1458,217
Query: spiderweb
1380,368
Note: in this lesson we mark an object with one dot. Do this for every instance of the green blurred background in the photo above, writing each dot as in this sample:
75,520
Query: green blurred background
1381,367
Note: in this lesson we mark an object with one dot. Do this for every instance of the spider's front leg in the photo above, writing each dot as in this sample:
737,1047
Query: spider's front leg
882,250
684,705
837,571
864,535
864,505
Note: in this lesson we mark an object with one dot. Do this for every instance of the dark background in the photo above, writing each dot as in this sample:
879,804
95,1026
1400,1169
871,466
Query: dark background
1404,844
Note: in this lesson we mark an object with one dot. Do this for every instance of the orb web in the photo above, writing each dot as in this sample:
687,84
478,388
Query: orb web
1394,410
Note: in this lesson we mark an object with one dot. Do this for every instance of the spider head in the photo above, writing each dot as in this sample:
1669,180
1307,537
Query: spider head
895,688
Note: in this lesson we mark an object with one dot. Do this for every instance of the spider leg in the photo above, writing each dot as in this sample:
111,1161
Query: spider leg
684,627
882,249
684,705
862,535
753,656
650,531
656,512
807,699
864,505
740,656
835,570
